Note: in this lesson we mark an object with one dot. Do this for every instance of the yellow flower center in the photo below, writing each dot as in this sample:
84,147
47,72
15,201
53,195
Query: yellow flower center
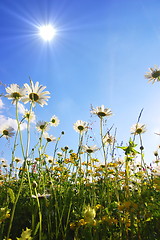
80,128
139,130
89,150
42,127
101,114
156,74
16,95
34,97
5,132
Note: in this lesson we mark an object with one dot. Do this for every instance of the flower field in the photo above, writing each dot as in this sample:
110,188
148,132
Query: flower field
73,195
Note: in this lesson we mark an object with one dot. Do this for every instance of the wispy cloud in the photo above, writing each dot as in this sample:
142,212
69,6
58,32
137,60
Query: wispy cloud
1,104
7,121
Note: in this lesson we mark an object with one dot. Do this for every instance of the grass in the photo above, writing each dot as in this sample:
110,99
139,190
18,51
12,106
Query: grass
73,195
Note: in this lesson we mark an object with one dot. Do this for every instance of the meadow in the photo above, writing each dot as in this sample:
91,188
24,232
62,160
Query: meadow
73,194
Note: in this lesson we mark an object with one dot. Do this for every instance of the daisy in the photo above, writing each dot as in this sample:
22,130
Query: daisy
80,126
153,75
35,94
29,115
54,121
138,129
49,138
90,149
108,139
156,170
50,159
42,126
41,195
6,131
15,93
17,159
101,111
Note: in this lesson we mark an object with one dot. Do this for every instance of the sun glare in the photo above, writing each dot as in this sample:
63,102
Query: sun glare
47,32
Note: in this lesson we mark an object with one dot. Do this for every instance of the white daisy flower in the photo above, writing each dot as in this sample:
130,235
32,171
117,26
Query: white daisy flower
108,139
18,160
42,126
90,149
101,111
54,121
41,195
138,129
15,93
35,94
50,159
49,138
80,126
156,170
6,131
29,115
3,160
153,75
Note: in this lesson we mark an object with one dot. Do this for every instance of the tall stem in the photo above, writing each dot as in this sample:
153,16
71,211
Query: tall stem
101,134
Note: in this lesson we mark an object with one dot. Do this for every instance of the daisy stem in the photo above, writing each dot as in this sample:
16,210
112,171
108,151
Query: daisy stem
20,134
101,134
40,216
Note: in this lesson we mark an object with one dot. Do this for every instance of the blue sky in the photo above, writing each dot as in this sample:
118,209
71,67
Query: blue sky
99,56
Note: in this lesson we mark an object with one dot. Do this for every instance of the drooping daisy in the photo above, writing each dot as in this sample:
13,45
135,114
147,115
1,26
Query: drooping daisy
54,121
15,93
29,115
49,138
80,126
101,111
90,149
35,94
153,75
138,129
108,139
42,126
41,195
6,131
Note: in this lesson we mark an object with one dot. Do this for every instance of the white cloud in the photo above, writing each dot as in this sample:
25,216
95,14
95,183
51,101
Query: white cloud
11,122
1,104
21,108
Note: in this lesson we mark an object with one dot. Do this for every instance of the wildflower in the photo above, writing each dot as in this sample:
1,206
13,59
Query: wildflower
90,149
29,116
15,92
153,75
72,225
54,121
49,138
34,184
3,160
101,111
17,160
7,131
42,126
80,126
108,139
35,94
50,159
89,214
26,235
138,128
156,170
41,195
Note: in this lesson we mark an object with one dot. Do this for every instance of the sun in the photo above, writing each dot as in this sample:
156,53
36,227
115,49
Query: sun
47,32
